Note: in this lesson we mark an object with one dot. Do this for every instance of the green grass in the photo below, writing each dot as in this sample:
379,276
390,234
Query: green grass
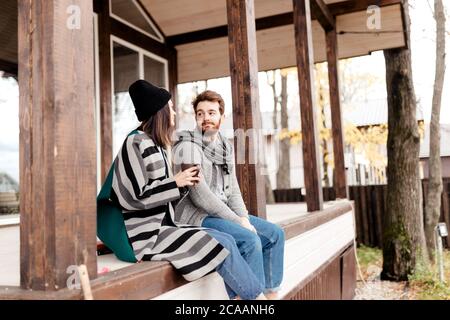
424,284
369,257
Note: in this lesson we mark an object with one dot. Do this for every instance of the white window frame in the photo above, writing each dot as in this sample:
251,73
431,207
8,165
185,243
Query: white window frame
142,52
97,102
159,38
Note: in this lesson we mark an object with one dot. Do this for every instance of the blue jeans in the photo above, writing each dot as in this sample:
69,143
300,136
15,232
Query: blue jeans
264,251
237,275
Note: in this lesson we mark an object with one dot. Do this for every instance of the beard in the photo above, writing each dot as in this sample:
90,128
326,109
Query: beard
211,127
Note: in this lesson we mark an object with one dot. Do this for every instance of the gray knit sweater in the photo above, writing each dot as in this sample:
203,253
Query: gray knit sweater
217,195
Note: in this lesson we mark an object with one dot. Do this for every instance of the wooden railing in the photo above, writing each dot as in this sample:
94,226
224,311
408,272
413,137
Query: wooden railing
335,279
370,207
9,203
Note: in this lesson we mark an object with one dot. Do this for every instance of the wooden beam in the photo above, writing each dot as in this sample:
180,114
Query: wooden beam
320,11
278,20
98,4
144,280
245,94
173,80
200,35
150,17
125,32
340,176
129,34
350,6
310,143
105,74
57,143
222,31
17,293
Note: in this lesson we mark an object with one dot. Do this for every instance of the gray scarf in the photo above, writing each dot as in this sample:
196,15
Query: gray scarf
219,153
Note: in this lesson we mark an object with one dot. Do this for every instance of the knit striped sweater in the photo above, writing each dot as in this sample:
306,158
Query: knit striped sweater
144,187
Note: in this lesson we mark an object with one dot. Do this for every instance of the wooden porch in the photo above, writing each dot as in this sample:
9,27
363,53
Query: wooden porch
318,246
56,71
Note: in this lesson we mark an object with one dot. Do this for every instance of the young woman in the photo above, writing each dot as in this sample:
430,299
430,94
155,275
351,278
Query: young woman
144,188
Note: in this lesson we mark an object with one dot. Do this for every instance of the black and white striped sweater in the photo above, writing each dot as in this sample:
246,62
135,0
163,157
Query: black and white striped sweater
144,187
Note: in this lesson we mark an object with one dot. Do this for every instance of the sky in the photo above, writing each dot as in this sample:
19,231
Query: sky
423,55
423,30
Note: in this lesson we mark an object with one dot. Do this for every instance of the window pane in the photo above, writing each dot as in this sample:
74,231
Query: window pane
154,72
126,71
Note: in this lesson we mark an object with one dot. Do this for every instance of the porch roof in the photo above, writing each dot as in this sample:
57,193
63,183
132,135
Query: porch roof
191,20
199,60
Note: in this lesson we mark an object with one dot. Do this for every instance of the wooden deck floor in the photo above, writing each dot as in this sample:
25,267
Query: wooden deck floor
277,213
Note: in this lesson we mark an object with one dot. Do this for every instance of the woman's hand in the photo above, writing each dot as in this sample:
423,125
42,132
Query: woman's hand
186,177
245,222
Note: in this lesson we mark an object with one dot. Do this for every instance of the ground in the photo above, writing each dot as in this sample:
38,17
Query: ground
424,285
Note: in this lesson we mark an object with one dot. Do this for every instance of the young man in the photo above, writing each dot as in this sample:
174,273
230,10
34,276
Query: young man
216,201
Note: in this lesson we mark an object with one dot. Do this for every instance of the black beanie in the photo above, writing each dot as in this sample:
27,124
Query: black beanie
147,99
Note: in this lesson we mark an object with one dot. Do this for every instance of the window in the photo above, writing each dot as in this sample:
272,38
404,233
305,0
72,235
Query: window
131,13
154,72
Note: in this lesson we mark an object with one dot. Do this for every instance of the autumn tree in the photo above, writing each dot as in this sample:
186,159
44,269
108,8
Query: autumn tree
433,206
323,102
279,78
368,140
404,245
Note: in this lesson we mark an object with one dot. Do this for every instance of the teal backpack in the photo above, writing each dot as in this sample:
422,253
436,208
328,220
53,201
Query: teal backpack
110,224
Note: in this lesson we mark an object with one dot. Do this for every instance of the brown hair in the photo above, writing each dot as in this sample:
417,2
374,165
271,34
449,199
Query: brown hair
211,96
158,127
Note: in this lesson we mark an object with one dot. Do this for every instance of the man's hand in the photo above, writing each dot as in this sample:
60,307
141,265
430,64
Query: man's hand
245,222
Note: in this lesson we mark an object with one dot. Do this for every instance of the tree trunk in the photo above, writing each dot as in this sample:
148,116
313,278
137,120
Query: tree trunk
284,171
270,198
271,79
324,142
433,207
404,244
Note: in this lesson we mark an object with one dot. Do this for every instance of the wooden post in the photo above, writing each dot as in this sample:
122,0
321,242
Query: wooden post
173,80
310,144
104,43
244,85
57,141
320,11
340,179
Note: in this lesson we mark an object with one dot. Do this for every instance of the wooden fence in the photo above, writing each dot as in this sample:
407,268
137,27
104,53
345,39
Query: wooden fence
370,207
